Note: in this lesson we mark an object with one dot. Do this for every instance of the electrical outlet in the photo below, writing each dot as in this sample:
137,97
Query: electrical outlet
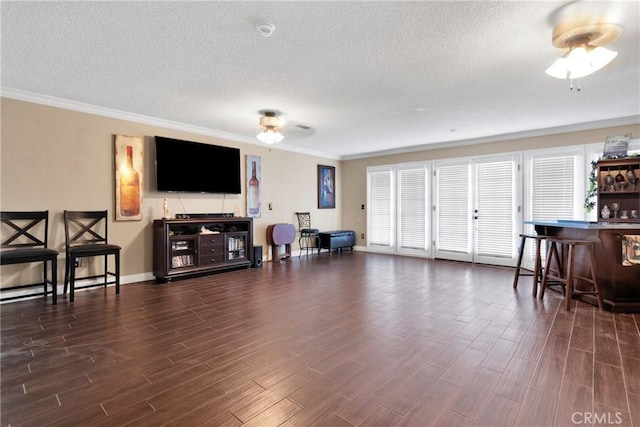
362,235
81,263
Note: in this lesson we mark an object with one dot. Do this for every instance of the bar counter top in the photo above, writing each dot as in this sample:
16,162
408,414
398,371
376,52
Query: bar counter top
586,225
619,284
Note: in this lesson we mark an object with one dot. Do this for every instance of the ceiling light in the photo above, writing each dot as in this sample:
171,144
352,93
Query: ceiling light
581,60
586,54
271,126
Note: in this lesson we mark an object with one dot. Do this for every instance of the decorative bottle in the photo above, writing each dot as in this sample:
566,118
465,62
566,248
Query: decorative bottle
605,212
129,187
254,192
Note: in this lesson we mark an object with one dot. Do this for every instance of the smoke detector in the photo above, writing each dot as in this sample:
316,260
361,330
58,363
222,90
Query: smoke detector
265,30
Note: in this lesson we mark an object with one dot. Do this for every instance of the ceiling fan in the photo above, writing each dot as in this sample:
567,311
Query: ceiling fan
271,123
583,30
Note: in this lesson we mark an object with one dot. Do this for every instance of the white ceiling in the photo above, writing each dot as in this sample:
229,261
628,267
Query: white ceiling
365,76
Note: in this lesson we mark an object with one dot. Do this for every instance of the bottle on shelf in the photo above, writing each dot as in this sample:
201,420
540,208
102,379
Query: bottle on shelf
632,178
129,187
254,192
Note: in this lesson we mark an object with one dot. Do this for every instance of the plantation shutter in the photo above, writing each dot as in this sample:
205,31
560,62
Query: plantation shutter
453,208
380,207
412,210
553,188
495,204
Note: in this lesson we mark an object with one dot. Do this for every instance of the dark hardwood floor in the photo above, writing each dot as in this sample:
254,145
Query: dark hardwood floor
351,339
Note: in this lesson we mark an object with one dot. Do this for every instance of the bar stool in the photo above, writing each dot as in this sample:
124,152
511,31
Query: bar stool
537,269
568,282
308,236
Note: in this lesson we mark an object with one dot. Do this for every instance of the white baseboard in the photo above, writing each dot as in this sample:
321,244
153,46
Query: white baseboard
132,278
28,292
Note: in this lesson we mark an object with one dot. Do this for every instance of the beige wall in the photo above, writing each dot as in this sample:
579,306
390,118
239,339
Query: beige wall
59,159
354,187
55,159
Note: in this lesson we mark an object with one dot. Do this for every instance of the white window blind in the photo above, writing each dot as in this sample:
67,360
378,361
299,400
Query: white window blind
553,188
554,191
495,205
380,212
412,210
453,211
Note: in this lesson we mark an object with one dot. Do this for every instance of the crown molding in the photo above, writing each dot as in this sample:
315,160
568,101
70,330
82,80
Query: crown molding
52,101
66,104
577,127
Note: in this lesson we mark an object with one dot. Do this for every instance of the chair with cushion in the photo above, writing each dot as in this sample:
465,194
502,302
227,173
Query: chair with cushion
26,242
86,236
308,236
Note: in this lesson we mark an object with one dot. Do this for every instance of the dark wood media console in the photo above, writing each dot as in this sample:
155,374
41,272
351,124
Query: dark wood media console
186,247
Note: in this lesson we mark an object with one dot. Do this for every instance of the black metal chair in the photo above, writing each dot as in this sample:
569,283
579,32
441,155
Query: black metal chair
308,236
86,236
26,242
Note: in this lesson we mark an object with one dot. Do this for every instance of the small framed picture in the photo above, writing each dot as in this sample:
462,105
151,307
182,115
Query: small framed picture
616,146
326,187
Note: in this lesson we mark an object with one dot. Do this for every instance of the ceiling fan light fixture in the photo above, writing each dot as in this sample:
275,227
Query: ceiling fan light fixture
601,56
271,126
270,136
586,54
580,62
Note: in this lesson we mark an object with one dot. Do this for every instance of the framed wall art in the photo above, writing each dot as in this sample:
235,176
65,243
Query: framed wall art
254,192
616,146
129,177
326,187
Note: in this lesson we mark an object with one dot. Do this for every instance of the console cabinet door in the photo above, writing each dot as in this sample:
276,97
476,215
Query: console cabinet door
236,246
183,252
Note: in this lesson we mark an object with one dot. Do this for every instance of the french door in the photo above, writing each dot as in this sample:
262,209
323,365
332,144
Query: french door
476,209
414,219
398,215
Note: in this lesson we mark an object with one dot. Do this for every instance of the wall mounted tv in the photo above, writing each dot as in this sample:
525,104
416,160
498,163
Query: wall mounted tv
196,167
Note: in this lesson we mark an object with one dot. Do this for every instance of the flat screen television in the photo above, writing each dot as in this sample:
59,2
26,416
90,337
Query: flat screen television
195,167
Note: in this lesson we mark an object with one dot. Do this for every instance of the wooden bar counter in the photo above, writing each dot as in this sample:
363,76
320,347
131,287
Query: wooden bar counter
619,284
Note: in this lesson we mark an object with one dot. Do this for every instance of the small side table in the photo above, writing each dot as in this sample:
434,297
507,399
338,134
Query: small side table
280,234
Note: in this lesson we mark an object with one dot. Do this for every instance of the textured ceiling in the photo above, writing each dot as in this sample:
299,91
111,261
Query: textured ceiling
365,76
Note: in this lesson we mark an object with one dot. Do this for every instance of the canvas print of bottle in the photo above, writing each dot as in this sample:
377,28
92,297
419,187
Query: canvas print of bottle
254,182
128,162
